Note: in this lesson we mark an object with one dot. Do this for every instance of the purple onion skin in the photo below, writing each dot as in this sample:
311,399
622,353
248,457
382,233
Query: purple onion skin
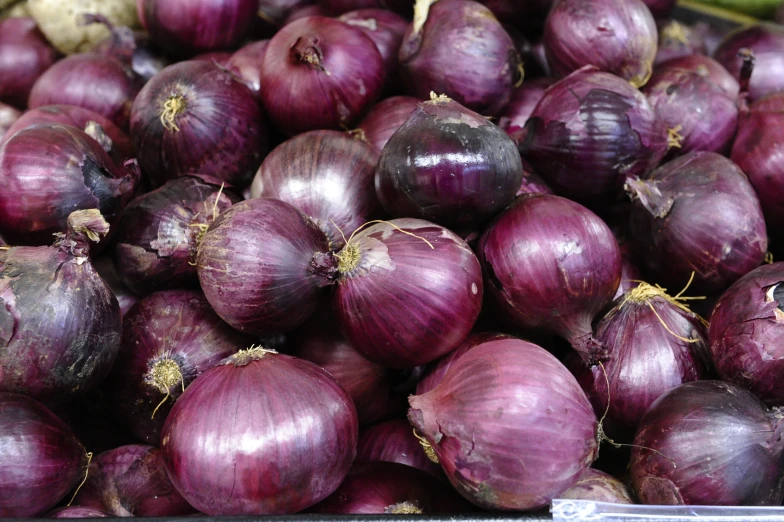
260,267
42,458
24,56
306,421
449,165
532,183
135,49
589,131
246,62
48,171
551,264
698,213
403,302
708,68
394,441
212,25
158,233
386,29
214,126
99,83
521,106
328,175
8,116
105,267
598,486
174,326
77,512
715,444
617,36
131,481
385,118
766,41
462,51
660,8
492,422
677,39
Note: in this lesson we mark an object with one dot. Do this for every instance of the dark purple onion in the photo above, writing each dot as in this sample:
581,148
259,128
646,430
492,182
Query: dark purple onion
709,68
589,132
197,118
99,83
386,29
766,41
169,339
709,443
328,175
522,104
394,441
449,165
260,434
598,486
59,322
617,36
246,63
77,512
660,8
24,56
677,39
131,481
105,267
319,73
509,424
42,460
385,118
8,116
158,234
458,48
698,214
552,265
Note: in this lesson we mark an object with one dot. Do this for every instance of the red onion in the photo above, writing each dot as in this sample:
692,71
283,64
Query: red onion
159,232
660,8
95,82
552,265
708,68
385,118
246,62
131,481
386,29
449,165
458,48
195,117
590,131
509,424
24,56
766,41
394,441
328,175
169,339
260,434
77,512
8,116
708,443
617,36
677,39
319,73
408,292
598,486
521,106
188,27
698,214
105,267
42,459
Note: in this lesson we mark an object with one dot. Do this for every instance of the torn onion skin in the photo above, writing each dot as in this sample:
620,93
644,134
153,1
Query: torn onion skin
598,486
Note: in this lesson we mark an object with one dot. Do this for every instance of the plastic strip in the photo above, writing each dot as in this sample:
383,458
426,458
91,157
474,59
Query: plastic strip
588,511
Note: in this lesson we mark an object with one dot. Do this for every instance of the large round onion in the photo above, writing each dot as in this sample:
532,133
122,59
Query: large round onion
386,29
509,424
24,56
394,441
766,41
385,118
598,486
260,434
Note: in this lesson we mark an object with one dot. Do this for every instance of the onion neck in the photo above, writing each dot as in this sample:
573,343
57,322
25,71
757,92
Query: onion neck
421,12
591,350
96,132
83,226
306,50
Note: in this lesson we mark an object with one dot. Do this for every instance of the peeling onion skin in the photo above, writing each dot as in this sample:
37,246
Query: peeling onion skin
698,213
26,55
394,441
725,444
598,486
306,420
746,334
386,29
589,132
77,512
509,424
404,304
521,106
172,325
157,235
709,68
766,41
42,460
8,116
385,118
517,252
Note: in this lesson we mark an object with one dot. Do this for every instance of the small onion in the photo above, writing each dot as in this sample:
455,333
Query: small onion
598,486
260,434
709,443
709,68
394,441
766,41
77,512
386,29
24,56
521,106
386,117
8,116
677,39
509,424
246,62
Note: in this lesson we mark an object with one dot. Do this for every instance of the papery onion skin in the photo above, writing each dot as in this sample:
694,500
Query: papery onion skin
169,339
77,512
42,460
518,250
714,444
8,116
766,41
246,62
521,106
158,233
698,213
449,165
509,424
589,131
617,36
707,67
394,441
403,302
259,268
462,51
386,29
598,486
677,39
328,175
386,117
319,73
213,125
26,55
306,421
